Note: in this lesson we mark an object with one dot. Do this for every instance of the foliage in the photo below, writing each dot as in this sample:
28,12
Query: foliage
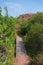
38,60
32,32
7,33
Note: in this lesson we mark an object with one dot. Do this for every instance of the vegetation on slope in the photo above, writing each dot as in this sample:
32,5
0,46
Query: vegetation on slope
7,39
32,32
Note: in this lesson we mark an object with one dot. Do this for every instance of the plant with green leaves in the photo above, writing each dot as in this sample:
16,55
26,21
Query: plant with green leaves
32,32
7,33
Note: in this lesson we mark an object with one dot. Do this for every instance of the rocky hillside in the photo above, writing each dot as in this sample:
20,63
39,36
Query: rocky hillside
26,16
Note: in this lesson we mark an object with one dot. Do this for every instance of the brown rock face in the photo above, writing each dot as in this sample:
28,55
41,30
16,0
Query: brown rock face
26,16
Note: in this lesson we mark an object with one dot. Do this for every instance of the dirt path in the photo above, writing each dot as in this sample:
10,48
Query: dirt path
21,56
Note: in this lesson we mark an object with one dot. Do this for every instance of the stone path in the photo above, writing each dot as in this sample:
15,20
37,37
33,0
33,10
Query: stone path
21,57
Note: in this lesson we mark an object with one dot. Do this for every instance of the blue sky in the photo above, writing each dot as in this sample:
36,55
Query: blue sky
18,7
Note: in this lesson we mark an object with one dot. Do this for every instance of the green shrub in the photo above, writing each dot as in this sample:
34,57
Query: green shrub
32,32
7,33
38,60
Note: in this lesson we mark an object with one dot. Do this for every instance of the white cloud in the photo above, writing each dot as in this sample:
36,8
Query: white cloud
14,9
15,6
